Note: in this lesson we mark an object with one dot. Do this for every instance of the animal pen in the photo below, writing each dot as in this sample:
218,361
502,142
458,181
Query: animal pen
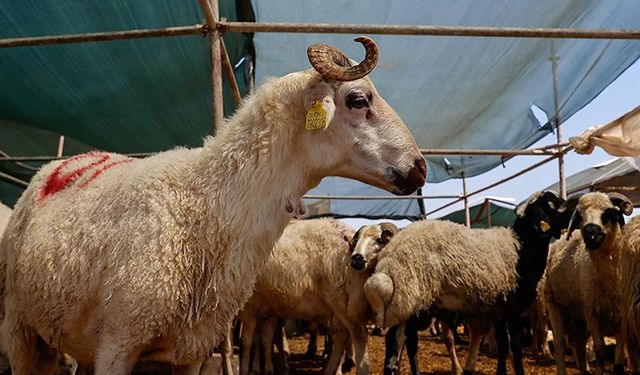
215,26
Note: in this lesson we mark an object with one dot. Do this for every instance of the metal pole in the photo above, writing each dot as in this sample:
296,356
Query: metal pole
488,152
378,197
487,202
60,146
16,181
467,215
99,37
562,183
210,9
509,178
231,77
505,32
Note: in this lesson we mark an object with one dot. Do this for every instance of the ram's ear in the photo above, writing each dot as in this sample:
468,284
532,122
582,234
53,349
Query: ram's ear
319,105
388,230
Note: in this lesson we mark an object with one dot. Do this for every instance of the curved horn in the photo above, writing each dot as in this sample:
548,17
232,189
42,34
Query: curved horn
622,202
333,64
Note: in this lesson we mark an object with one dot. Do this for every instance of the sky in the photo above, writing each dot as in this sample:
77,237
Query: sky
620,97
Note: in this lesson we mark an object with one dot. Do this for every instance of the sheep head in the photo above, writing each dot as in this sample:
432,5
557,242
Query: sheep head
362,137
367,243
545,212
599,217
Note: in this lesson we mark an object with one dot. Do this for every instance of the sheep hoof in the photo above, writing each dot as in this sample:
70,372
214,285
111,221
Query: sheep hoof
467,372
348,365
618,369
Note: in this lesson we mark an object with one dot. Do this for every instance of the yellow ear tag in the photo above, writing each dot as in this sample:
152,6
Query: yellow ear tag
544,226
316,116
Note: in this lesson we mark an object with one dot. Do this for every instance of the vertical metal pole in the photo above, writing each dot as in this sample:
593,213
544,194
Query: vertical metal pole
487,202
467,215
562,183
421,215
60,146
210,9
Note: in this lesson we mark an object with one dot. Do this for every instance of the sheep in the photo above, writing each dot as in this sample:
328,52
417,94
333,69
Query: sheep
582,280
630,292
114,260
316,273
476,275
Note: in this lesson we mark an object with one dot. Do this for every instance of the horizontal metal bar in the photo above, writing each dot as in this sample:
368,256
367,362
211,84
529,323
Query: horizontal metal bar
379,197
13,180
51,158
504,32
533,152
104,36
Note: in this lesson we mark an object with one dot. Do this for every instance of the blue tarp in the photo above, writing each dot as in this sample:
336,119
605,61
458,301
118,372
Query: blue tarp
456,92
453,92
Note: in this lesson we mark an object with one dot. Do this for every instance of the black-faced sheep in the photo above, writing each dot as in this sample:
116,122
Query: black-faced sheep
316,273
476,274
582,285
630,292
115,260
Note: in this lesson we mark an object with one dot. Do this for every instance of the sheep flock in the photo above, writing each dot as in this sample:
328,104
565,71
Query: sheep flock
107,261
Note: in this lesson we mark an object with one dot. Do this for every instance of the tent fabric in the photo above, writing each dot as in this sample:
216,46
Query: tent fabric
141,95
489,213
620,137
453,92
456,92
617,175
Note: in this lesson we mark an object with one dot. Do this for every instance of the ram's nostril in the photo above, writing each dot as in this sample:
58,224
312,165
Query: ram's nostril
357,257
421,164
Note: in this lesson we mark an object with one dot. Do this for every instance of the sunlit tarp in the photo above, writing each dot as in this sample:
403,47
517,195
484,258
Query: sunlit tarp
617,175
457,92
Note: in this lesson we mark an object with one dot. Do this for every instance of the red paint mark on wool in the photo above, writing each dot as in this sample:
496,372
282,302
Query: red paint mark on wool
58,180
104,168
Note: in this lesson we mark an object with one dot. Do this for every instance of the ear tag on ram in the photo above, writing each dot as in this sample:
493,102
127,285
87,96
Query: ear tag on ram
544,226
316,116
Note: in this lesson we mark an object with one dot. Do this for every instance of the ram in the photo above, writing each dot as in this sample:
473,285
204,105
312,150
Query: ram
582,283
114,260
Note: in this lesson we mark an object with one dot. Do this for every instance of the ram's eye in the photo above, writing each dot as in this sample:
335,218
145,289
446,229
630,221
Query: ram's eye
380,241
356,100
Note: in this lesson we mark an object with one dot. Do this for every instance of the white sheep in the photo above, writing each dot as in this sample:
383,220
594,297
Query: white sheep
316,273
630,292
582,287
114,260
477,275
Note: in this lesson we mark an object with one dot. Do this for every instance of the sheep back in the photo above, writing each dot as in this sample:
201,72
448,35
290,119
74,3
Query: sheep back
630,280
434,260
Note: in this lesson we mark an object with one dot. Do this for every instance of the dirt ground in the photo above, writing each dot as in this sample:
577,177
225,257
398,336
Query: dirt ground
434,359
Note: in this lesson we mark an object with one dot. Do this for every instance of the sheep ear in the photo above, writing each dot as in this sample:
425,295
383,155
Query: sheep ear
388,230
319,105
622,202
353,241
574,223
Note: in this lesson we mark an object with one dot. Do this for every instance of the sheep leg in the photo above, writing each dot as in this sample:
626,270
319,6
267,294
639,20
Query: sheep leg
449,343
580,350
557,326
248,330
502,339
474,349
359,336
515,334
226,351
193,369
633,351
20,348
348,363
393,342
598,341
268,329
411,333
282,344
312,347
618,366
339,337
112,360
